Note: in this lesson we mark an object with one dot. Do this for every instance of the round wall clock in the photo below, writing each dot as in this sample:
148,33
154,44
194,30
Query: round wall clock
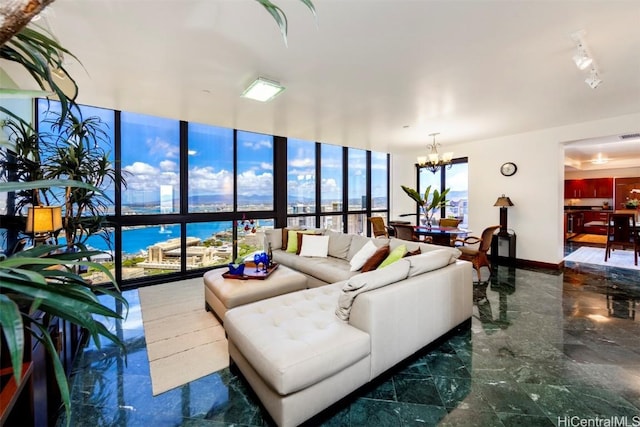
508,169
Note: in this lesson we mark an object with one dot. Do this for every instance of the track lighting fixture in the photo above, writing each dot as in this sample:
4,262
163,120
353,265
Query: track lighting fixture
584,60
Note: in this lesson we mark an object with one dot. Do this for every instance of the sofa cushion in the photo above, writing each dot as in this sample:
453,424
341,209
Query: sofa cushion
365,252
374,261
273,236
430,261
314,246
393,256
367,282
339,244
295,340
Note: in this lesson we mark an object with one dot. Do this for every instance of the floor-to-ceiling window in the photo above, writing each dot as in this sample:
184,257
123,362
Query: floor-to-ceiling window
198,196
301,183
357,172
331,187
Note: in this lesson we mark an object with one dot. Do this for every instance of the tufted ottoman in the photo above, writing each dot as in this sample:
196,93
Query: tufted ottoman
221,294
295,352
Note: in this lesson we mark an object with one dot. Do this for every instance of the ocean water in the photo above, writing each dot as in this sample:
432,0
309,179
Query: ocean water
135,240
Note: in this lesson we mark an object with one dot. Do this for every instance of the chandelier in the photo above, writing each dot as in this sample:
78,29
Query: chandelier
433,161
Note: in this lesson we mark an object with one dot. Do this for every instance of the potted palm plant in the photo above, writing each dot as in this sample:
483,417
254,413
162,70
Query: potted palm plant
429,203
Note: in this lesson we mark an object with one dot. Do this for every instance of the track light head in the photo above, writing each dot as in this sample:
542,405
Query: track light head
593,80
582,58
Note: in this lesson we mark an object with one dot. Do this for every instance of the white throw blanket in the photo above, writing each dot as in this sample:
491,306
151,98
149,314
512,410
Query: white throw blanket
369,281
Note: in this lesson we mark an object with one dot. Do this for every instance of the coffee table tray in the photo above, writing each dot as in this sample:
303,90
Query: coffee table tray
251,273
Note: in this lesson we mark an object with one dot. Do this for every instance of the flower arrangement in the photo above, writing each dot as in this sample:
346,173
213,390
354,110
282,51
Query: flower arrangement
632,203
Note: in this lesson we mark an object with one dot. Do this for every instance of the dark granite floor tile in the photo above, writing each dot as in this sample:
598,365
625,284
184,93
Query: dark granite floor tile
369,412
410,389
470,418
507,397
447,365
517,420
381,390
460,393
412,415
604,403
557,401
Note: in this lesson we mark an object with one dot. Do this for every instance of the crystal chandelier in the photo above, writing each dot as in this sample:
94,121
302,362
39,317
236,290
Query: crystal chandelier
433,161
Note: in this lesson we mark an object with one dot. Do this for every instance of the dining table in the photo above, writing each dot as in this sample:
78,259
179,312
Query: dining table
441,235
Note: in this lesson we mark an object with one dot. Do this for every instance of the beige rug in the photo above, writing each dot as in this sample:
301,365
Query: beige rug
591,255
184,341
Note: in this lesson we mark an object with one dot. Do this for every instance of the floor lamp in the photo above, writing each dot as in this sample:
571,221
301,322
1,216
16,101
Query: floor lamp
42,221
503,203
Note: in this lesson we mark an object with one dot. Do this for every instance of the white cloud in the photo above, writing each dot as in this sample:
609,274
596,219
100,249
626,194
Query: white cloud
257,145
266,166
209,181
159,145
168,165
251,184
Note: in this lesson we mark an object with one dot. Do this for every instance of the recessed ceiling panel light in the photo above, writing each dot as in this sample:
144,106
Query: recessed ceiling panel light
262,90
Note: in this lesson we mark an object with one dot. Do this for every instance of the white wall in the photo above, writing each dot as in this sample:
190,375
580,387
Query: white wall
536,189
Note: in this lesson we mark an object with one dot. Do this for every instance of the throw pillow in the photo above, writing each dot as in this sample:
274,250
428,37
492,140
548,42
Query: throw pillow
362,256
285,237
314,245
302,233
394,256
374,261
292,240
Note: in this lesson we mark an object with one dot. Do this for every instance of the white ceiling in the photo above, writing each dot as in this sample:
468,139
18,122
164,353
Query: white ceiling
470,70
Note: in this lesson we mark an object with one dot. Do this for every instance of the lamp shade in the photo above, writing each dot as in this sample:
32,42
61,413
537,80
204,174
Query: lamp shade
44,219
503,202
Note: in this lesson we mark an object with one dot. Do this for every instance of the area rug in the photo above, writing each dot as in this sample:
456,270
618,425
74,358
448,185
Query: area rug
590,238
184,341
591,255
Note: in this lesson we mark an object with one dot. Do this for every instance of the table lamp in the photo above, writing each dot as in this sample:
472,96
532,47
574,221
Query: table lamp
503,203
43,220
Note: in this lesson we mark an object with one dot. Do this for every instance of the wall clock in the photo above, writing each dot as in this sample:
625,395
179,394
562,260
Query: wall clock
508,169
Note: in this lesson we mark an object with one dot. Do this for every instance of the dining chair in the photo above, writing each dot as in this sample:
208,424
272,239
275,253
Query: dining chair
405,232
622,233
378,227
475,249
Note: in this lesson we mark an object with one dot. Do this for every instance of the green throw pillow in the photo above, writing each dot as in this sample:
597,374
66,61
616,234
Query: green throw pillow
394,256
292,240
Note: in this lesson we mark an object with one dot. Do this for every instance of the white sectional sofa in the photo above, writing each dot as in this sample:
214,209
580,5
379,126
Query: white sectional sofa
342,248
303,351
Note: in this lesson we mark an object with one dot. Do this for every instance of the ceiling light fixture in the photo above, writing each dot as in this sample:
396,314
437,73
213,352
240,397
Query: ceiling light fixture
594,79
584,60
262,90
599,160
433,162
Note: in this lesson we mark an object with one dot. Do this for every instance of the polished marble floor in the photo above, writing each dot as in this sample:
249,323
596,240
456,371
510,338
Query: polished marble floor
543,348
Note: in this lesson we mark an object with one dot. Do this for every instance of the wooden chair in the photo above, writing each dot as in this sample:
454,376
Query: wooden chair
378,227
478,254
622,233
405,232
